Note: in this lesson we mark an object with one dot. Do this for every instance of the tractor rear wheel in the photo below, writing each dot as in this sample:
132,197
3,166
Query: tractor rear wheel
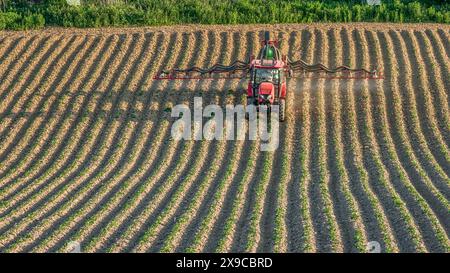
282,109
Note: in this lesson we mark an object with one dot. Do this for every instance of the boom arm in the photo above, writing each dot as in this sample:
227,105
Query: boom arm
295,69
300,69
236,70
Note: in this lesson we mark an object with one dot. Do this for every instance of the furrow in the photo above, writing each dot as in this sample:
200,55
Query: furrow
85,173
25,151
274,214
380,178
419,181
65,71
88,154
294,225
182,61
301,173
348,214
162,175
139,157
9,52
199,228
445,40
226,237
18,55
400,177
173,232
443,62
435,81
8,45
124,137
375,220
148,176
30,190
128,118
152,176
218,206
60,189
80,116
325,227
250,223
436,190
170,151
27,73
422,130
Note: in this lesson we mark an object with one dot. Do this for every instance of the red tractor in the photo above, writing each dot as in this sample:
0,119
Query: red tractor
268,77
268,74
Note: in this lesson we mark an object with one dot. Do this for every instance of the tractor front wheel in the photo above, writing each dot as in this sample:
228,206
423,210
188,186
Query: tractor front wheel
282,109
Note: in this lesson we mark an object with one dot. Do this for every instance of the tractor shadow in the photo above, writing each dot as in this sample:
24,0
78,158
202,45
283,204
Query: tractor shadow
313,86
138,110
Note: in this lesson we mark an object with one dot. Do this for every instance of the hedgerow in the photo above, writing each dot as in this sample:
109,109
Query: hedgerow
23,14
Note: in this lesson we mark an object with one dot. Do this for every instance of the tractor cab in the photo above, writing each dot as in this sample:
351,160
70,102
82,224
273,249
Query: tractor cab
265,84
267,75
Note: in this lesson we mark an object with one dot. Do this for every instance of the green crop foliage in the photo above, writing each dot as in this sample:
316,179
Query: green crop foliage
19,15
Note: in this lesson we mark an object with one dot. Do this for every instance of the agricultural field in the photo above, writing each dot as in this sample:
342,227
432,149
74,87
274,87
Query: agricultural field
86,152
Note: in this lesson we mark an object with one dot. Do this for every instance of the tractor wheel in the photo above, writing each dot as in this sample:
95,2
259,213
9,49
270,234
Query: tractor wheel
282,109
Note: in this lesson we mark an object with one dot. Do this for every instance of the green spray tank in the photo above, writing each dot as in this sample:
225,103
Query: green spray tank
269,51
